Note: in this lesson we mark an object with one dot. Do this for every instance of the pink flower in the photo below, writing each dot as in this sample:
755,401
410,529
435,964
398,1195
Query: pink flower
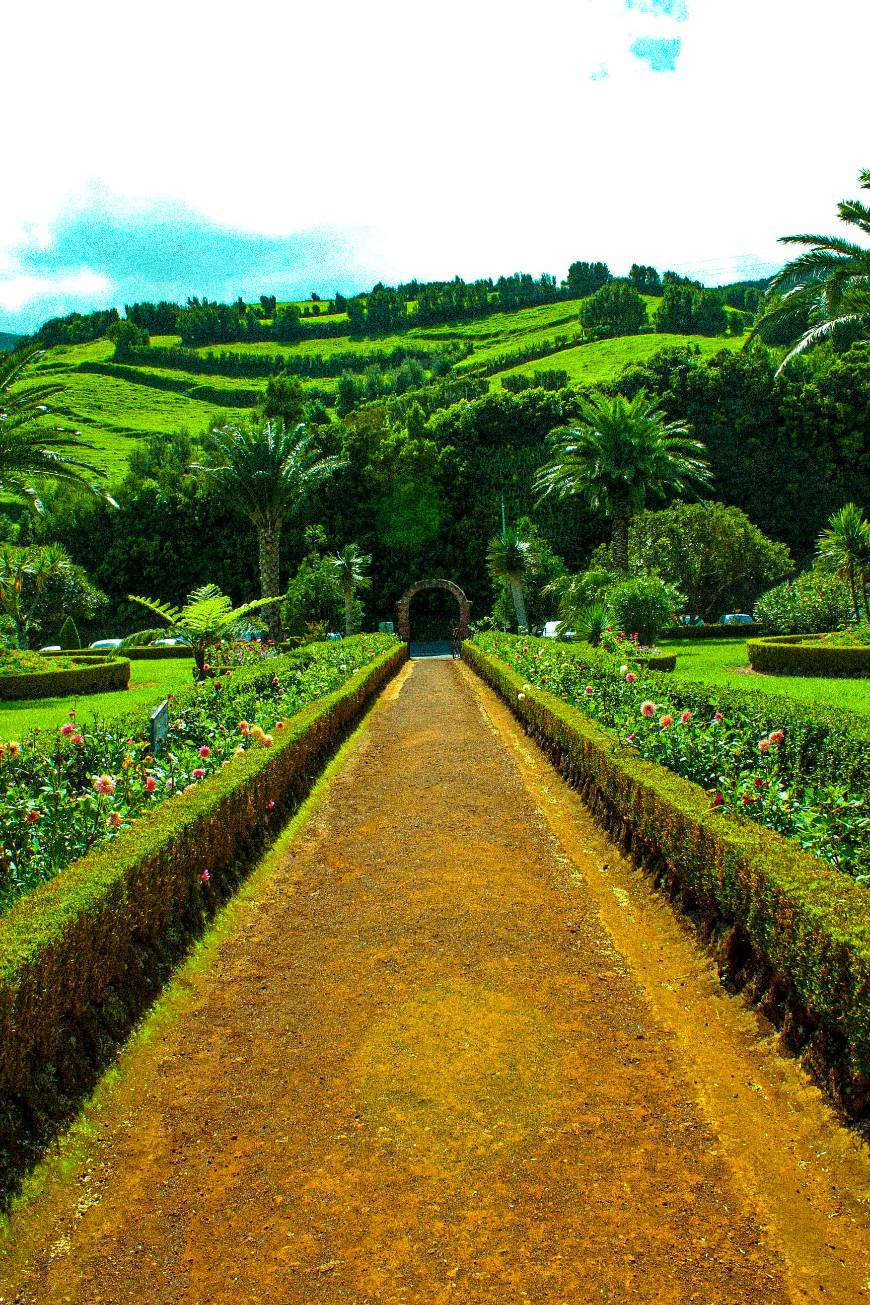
244,726
78,739
33,816
150,784
198,772
717,715
104,784
270,805
763,746
589,690
777,736
115,820
279,725
204,751
718,799
648,709
685,717
666,721
630,677
205,876
67,729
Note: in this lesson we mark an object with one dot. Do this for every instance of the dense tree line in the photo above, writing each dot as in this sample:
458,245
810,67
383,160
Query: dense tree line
686,311
227,363
77,328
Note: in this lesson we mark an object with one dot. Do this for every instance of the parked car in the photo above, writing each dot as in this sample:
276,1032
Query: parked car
51,647
168,643
551,631
736,618
106,643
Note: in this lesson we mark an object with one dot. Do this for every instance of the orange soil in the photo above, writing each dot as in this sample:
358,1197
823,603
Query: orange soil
453,1050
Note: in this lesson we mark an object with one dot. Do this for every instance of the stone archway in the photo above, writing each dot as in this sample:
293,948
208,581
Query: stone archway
403,606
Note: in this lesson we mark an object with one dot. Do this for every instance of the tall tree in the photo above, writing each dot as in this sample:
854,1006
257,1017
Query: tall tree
267,471
827,288
351,569
30,453
621,451
513,557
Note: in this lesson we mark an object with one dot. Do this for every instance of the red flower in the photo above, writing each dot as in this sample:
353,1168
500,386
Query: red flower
718,799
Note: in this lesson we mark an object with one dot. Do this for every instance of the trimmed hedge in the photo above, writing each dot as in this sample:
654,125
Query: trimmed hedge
660,662
90,676
746,631
77,947
800,654
802,927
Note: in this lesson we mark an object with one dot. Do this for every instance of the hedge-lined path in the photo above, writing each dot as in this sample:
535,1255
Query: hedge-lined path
451,1050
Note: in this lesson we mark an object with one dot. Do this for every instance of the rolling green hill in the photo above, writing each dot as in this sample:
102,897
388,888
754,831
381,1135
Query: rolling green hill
114,404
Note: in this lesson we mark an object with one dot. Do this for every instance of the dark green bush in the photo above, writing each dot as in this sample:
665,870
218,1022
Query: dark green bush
69,635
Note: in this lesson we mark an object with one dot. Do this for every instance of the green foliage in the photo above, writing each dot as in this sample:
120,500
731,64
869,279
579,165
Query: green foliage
284,400
585,278
615,309
61,677
69,635
512,556
206,620
539,583
844,547
711,552
826,290
38,584
814,602
313,600
642,606
621,451
351,572
684,311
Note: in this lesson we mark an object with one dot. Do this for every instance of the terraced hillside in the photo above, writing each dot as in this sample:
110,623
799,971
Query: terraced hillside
164,388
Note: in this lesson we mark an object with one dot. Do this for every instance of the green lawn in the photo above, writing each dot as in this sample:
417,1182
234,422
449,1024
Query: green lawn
723,661
603,360
150,681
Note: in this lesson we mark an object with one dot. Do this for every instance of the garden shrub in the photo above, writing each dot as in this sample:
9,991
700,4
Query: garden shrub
88,944
801,655
816,601
69,635
642,605
713,631
58,681
805,922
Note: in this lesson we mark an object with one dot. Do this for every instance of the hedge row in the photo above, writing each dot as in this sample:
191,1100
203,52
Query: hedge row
90,676
799,654
79,942
803,926
712,631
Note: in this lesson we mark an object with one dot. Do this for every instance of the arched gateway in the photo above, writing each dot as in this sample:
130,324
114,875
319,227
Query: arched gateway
403,606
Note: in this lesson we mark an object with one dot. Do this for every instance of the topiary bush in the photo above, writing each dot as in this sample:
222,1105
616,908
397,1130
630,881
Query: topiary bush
795,654
69,635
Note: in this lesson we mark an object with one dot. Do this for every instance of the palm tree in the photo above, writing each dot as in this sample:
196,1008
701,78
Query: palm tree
827,287
350,567
29,452
268,470
845,546
206,619
513,558
622,450
24,575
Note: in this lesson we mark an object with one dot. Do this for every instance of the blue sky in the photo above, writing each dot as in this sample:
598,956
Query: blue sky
283,148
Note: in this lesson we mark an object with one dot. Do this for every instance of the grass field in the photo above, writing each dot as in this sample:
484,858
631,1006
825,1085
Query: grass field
113,411
603,360
724,661
150,681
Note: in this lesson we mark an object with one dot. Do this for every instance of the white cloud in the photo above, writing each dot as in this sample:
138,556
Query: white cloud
85,286
468,137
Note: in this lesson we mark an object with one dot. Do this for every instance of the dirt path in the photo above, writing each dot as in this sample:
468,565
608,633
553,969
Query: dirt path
452,1051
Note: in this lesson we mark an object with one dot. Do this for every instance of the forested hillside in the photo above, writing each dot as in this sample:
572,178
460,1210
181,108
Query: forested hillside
438,398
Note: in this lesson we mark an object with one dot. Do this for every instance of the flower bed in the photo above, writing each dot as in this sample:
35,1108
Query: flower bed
81,955
795,929
803,772
64,677
806,654
63,794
